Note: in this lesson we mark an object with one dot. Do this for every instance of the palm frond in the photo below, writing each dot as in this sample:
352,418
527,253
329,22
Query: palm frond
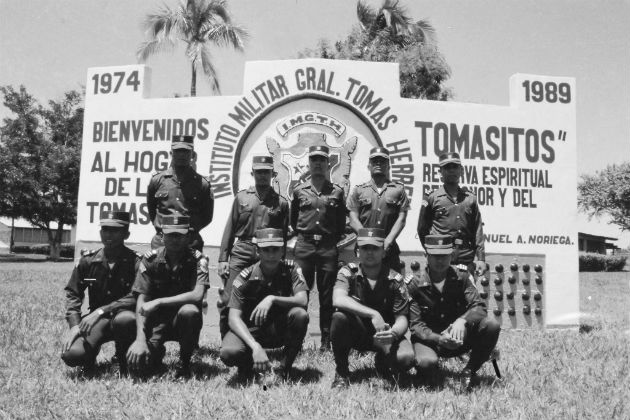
226,35
366,15
426,31
154,46
208,69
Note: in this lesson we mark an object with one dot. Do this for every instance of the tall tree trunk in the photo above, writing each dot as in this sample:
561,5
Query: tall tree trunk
193,81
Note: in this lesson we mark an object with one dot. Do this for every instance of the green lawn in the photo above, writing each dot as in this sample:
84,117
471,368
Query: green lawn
554,374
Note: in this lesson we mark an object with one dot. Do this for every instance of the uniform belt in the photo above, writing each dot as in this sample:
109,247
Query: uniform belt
311,237
244,239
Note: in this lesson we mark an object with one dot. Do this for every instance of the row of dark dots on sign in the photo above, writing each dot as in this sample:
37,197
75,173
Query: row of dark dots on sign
527,310
512,279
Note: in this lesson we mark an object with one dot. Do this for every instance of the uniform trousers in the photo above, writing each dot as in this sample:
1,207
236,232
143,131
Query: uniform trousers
285,329
121,329
480,340
319,258
182,324
349,331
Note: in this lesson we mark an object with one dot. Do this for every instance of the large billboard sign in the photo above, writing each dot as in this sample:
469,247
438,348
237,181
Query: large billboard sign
520,160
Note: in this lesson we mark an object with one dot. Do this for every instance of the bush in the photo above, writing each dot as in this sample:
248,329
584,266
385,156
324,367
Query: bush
599,262
67,250
615,262
592,262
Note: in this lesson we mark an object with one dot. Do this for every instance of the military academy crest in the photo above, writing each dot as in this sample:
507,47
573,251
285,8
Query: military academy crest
291,162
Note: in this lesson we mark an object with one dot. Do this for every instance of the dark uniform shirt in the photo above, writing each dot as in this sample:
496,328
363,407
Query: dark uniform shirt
251,287
460,218
251,212
318,213
156,277
190,196
378,210
432,311
389,296
108,289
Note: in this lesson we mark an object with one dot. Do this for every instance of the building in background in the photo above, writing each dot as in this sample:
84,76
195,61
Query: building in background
25,234
595,243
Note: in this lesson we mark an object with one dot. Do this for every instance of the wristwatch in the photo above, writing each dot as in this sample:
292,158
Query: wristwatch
100,312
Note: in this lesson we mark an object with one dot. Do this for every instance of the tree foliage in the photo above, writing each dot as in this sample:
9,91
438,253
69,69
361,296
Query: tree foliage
40,161
198,24
607,193
390,35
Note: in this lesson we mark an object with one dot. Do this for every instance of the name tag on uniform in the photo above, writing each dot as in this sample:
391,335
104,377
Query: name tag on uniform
89,281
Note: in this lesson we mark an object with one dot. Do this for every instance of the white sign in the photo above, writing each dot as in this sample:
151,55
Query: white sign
520,160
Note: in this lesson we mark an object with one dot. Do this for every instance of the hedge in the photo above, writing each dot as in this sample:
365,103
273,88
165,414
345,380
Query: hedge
599,262
67,250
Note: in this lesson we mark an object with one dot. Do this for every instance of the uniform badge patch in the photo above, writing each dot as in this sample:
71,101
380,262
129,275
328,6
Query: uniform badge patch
203,265
238,283
408,278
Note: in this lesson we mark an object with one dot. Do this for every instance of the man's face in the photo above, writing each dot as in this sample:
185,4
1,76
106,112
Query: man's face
262,177
270,254
113,237
371,255
439,262
378,166
181,157
175,242
451,172
318,165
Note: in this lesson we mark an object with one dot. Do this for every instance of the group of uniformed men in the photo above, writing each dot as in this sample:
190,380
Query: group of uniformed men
141,301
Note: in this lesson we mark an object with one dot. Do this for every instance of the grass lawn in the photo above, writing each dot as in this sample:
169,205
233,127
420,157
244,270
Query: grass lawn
561,374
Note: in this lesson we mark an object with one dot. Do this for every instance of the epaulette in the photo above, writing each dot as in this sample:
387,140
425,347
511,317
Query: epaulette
408,278
395,276
349,270
203,261
88,252
150,254
289,263
353,267
246,272
155,173
461,267
138,254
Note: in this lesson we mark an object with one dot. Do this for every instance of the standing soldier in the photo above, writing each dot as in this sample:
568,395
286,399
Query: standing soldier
108,274
179,190
267,309
372,308
318,215
380,203
169,286
447,315
257,207
451,210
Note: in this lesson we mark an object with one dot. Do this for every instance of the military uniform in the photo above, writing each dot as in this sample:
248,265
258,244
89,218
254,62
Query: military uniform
432,311
319,218
157,278
380,209
190,196
250,212
282,327
389,298
109,285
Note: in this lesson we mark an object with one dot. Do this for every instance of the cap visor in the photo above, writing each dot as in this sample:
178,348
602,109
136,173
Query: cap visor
383,155
270,243
113,223
318,154
178,229
370,241
182,146
262,167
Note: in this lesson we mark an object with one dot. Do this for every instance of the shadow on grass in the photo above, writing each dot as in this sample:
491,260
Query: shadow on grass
296,376
36,258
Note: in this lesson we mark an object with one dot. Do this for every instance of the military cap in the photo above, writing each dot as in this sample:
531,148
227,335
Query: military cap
371,236
175,224
183,142
452,157
262,162
115,218
318,151
379,152
269,237
438,244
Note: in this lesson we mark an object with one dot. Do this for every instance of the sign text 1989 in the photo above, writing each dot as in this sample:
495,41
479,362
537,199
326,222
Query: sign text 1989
548,92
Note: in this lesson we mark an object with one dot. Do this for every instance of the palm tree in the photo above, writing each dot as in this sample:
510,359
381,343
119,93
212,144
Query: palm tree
391,24
199,24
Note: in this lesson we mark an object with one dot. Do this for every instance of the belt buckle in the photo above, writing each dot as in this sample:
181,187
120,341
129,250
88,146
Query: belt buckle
317,237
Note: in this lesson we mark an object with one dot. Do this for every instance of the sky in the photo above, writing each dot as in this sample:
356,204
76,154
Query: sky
48,46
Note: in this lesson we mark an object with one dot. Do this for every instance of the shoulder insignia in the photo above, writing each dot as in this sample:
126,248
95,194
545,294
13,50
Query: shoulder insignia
88,252
155,174
408,278
138,254
462,267
150,254
345,271
245,273
395,276
353,267
289,263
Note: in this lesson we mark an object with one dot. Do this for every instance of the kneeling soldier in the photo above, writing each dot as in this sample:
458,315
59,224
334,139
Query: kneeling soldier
108,274
267,309
170,285
447,315
372,307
